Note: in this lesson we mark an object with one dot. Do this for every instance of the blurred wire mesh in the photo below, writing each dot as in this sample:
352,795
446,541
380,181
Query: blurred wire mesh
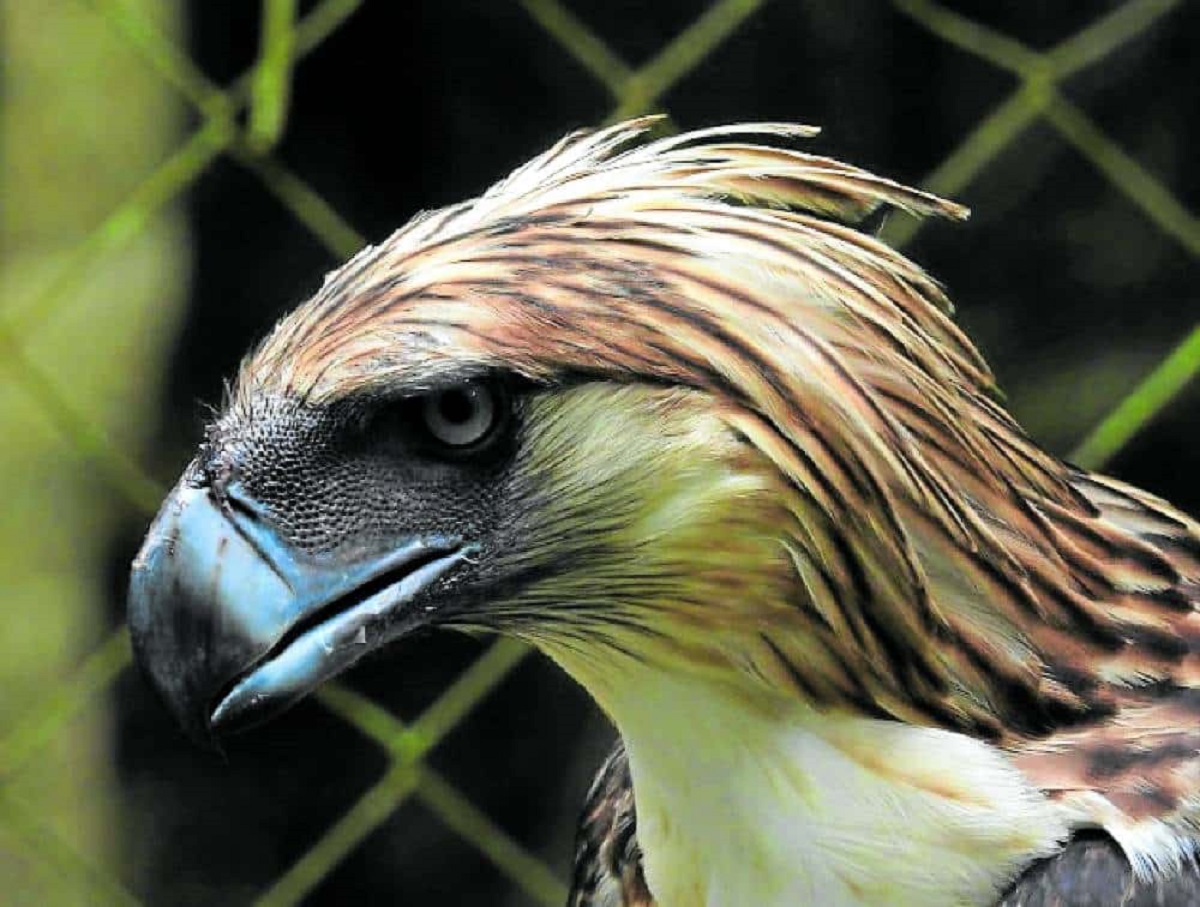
138,261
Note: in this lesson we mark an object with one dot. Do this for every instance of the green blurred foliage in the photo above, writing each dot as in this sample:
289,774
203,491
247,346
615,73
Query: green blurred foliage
83,120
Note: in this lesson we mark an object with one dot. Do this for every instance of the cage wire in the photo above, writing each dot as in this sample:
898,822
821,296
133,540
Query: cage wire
263,92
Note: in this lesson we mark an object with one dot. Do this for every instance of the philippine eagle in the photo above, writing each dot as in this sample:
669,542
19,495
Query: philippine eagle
665,411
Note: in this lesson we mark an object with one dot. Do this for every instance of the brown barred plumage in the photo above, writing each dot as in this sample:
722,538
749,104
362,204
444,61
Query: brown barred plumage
608,861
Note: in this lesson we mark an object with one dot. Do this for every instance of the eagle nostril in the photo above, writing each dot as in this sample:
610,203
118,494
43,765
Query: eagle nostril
250,520
233,494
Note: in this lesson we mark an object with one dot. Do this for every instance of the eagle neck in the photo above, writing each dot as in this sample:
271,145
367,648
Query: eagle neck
743,802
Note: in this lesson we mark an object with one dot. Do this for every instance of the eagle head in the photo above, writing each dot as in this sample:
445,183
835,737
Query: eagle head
664,410
564,410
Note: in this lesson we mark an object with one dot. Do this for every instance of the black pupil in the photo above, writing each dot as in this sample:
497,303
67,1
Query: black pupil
456,407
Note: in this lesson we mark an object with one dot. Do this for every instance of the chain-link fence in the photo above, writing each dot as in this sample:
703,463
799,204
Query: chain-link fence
244,121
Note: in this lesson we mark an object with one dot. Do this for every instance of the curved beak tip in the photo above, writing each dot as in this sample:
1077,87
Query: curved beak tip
189,635
233,626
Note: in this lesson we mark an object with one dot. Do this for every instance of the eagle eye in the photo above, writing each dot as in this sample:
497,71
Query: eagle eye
462,416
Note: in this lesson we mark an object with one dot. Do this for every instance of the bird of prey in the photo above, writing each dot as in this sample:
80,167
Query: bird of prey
669,412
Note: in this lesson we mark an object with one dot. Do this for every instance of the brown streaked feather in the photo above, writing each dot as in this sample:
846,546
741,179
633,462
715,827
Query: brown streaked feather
608,862
952,572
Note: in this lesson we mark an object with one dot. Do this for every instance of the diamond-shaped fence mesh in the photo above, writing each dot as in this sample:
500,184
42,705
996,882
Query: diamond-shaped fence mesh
244,120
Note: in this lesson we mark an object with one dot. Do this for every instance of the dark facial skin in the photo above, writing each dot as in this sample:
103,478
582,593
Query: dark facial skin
301,538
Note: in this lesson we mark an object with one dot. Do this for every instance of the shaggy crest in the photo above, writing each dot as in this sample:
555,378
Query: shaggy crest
953,574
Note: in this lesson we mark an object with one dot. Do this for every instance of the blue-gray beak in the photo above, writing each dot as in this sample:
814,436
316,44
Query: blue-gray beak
233,625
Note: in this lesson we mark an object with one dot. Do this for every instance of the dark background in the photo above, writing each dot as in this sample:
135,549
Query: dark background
1070,290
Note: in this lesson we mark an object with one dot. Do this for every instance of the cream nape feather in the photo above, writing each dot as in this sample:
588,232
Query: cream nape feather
745,794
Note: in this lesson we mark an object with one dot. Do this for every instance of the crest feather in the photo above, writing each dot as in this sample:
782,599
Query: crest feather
984,585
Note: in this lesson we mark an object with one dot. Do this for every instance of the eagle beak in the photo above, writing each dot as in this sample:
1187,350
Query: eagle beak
233,625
